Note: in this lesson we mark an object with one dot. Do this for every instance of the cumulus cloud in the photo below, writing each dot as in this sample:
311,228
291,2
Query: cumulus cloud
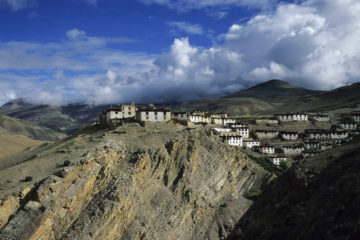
312,44
186,27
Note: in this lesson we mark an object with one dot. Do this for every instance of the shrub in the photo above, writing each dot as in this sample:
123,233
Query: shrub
28,179
67,163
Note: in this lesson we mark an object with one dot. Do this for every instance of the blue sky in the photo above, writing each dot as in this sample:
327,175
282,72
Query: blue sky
108,51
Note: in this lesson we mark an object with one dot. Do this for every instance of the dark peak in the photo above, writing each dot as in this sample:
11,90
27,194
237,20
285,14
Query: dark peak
274,83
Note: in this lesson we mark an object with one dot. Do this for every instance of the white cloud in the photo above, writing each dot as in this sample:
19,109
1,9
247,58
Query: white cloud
16,5
185,5
189,28
313,44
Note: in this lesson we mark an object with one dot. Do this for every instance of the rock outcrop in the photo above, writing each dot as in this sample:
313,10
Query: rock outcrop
160,183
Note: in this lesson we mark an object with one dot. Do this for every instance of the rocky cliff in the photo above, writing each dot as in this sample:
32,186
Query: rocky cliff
133,182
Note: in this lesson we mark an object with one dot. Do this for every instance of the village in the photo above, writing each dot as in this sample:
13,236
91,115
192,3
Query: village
280,138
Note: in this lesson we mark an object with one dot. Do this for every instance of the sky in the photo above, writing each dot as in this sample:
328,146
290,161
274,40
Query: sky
115,51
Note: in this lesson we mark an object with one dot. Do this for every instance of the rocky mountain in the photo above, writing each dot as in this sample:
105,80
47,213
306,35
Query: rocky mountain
317,199
133,182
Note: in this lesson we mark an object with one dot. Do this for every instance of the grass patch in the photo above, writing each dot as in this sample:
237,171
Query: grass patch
253,116
266,164
253,193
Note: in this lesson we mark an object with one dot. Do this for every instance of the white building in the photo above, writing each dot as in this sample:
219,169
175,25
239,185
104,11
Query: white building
195,118
237,125
348,125
289,117
233,140
152,114
243,131
218,115
276,160
120,112
293,150
289,135
318,134
326,146
266,134
221,130
339,135
227,121
355,116
307,154
321,117
267,149
311,144
250,144
267,121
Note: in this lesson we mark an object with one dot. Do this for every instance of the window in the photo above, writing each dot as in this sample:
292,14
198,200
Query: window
116,112
129,113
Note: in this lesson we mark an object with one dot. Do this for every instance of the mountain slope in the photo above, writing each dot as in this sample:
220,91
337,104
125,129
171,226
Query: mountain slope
317,199
276,96
16,135
156,182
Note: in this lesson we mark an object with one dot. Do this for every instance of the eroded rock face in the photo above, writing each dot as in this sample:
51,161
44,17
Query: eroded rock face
190,187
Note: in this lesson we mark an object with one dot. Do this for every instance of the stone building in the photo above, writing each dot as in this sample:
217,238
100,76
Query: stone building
317,134
277,160
339,135
120,112
292,150
266,134
243,131
249,144
180,115
320,117
153,114
348,125
232,140
355,116
267,149
289,136
289,117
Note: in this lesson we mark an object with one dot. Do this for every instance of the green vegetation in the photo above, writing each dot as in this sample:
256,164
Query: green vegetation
253,116
284,164
253,193
266,164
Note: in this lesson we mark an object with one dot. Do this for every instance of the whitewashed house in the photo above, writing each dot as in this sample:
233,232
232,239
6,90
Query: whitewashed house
152,114
321,117
216,120
227,121
347,125
237,125
267,149
243,131
355,116
266,134
218,115
267,121
339,135
276,160
233,140
311,144
289,117
318,134
221,130
249,144
195,118
292,150
289,136
120,112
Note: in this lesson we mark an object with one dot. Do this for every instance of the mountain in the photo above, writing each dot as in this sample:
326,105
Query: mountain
17,135
63,119
276,96
263,98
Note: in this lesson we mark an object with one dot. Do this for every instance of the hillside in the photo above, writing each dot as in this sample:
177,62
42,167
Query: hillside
317,199
154,182
16,135
276,96
63,119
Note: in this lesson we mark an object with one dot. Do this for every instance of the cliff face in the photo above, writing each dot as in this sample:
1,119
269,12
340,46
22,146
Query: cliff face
160,183
317,199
